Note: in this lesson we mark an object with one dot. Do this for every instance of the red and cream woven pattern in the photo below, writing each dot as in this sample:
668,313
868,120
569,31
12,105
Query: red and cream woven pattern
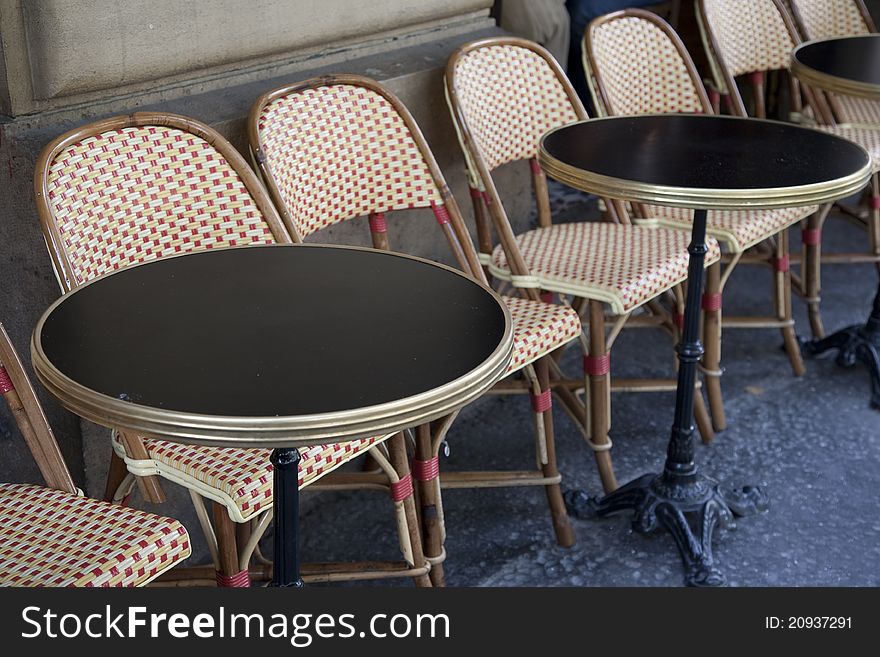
866,137
52,538
640,68
624,266
538,329
130,195
736,229
238,478
342,151
820,19
750,34
510,97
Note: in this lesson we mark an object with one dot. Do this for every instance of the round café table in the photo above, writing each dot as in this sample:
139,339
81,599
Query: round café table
274,346
849,66
698,162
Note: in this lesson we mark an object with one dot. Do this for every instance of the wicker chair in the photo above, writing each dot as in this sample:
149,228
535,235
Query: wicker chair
134,188
638,65
349,139
53,536
504,93
750,38
823,19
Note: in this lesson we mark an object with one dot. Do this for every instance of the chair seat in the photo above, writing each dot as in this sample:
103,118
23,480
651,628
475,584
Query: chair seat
865,136
539,328
238,478
736,229
859,110
623,266
53,538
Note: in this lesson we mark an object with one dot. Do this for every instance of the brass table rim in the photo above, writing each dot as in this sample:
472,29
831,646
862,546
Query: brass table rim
274,431
696,197
835,84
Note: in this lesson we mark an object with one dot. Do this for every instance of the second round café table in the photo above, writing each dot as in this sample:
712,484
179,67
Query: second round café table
274,346
847,65
702,163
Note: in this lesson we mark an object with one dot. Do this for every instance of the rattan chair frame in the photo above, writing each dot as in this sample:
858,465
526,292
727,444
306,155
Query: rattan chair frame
808,284
233,545
427,440
594,420
21,399
771,251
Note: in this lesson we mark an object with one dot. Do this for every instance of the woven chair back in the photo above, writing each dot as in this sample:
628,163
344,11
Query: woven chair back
638,65
749,37
133,188
511,91
823,19
335,148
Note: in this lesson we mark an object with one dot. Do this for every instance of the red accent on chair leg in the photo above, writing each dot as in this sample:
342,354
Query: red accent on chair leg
715,98
440,213
402,489
546,297
678,318
240,580
711,301
780,264
426,470
377,223
756,78
811,236
536,168
597,365
480,194
875,202
542,402
5,382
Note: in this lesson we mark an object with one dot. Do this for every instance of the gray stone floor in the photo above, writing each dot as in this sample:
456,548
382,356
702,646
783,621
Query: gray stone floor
812,442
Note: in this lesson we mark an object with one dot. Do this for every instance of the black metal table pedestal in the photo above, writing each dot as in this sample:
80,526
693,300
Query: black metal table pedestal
285,479
686,503
859,343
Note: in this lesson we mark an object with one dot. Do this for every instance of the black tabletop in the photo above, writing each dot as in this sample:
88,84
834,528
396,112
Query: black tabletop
853,58
272,331
699,160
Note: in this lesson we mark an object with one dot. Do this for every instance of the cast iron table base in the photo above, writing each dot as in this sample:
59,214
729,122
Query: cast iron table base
688,504
689,508
859,343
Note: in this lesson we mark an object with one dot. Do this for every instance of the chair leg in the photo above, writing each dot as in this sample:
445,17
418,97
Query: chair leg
811,268
558,512
702,418
115,476
597,371
404,493
229,574
427,471
712,344
782,275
